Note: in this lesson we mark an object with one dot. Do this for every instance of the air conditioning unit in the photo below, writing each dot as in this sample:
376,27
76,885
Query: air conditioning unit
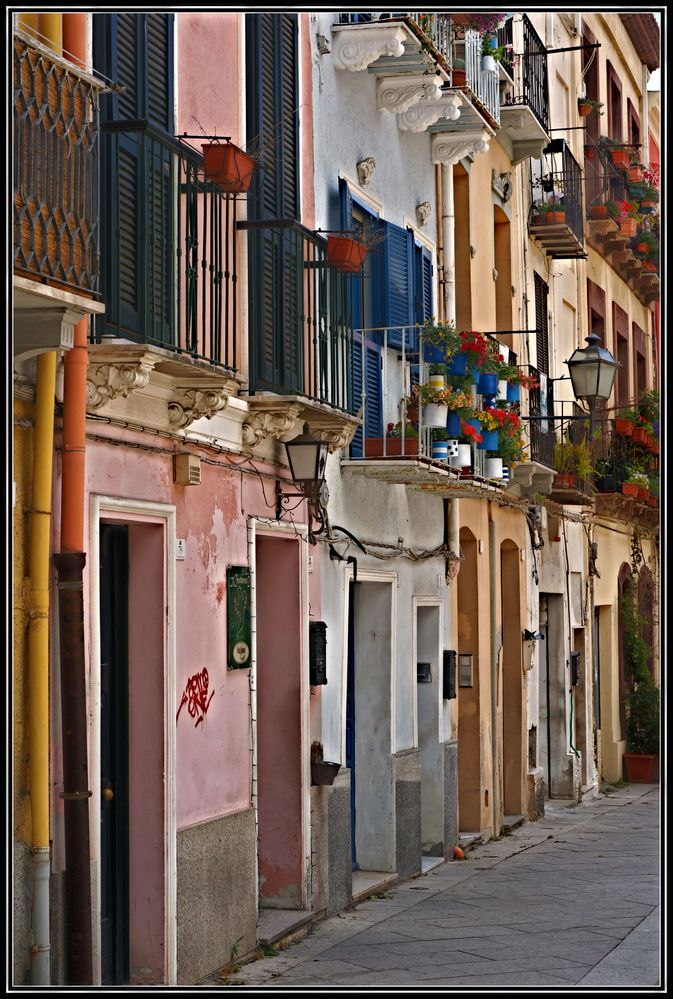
187,469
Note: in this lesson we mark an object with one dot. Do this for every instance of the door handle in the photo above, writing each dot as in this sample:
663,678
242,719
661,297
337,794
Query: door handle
108,794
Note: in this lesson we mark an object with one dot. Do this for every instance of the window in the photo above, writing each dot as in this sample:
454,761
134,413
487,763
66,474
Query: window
620,327
541,326
614,104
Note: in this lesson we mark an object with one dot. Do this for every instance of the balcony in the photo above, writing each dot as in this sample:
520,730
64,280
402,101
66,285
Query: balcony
481,89
301,313
536,472
556,213
56,187
404,44
524,111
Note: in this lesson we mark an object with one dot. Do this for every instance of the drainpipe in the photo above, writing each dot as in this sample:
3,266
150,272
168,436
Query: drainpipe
492,559
645,117
448,240
70,565
440,242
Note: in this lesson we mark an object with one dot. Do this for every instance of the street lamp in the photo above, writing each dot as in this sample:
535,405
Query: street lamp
592,373
307,458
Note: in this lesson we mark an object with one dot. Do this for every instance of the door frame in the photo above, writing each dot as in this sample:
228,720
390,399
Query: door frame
133,511
284,531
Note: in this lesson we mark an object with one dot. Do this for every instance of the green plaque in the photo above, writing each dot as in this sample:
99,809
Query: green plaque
239,632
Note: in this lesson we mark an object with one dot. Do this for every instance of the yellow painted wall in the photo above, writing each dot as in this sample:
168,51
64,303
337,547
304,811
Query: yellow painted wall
23,458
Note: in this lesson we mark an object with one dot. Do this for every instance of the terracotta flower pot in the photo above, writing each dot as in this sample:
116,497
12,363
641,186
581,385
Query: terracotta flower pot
619,157
635,174
583,109
643,494
556,218
652,501
629,227
639,435
458,77
564,480
228,166
641,247
623,427
639,768
374,447
599,211
630,489
345,254
648,206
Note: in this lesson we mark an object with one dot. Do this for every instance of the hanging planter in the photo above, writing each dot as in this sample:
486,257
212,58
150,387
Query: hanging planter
432,354
324,773
457,365
227,166
635,174
488,383
436,381
435,415
620,157
502,388
648,206
513,391
463,458
345,254
489,440
583,108
440,450
488,64
493,468
453,423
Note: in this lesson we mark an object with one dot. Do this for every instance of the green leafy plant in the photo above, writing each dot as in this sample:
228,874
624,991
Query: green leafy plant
642,696
395,429
444,336
570,457
595,106
613,209
637,476
648,405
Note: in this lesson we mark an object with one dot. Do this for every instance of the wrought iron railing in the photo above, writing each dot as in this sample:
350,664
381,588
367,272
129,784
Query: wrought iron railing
540,428
485,86
436,27
56,170
531,84
506,42
615,456
603,182
301,315
560,183
169,268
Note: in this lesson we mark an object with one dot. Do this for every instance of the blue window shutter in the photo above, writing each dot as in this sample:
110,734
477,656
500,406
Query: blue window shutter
373,418
398,290
345,205
422,285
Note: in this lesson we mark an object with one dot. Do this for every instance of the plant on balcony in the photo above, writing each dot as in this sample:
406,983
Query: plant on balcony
441,342
628,217
346,253
619,153
394,430
572,461
641,695
491,50
646,243
648,405
585,107
540,211
510,441
636,483
475,346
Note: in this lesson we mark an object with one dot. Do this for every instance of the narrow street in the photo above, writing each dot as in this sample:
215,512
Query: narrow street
572,900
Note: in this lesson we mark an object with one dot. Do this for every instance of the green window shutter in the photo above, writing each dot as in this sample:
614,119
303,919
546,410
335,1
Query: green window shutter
542,333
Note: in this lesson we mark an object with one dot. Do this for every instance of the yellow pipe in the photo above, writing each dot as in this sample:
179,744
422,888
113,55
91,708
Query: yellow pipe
51,29
29,23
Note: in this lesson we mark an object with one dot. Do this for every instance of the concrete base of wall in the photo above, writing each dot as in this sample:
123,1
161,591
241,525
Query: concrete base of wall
319,848
339,868
567,781
22,932
407,772
535,781
450,797
217,894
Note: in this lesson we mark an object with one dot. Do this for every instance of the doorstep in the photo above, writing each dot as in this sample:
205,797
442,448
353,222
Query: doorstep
367,883
429,863
510,822
276,924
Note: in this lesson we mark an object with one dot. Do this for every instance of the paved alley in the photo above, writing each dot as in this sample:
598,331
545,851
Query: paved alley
572,900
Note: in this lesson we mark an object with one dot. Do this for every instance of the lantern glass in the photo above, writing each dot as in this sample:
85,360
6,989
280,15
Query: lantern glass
592,371
307,458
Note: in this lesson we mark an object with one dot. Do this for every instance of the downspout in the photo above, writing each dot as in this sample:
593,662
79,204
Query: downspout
645,123
448,241
38,625
440,241
70,565
493,567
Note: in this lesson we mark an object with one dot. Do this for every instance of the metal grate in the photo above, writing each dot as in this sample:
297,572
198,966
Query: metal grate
56,171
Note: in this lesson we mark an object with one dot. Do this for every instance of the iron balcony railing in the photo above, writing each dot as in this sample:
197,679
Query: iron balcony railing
540,427
436,27
530,74
301,313
615,456
169,268
485,86
558,181
603,182
56,170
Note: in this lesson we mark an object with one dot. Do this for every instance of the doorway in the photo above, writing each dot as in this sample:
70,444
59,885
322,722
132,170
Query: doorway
514,747
428,693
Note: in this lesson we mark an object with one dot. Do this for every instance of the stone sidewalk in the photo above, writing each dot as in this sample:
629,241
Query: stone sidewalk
572,900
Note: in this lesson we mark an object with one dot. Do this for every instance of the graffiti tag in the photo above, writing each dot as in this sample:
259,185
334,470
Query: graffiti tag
195,696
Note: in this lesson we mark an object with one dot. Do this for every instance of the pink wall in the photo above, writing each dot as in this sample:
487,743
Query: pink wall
306,123
208,71
279,698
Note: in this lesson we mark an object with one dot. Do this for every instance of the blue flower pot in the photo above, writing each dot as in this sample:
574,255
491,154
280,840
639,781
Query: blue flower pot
489,440
488,383
513,392
457,365
453,424
474,423
489,401
440,450
432,354
473,374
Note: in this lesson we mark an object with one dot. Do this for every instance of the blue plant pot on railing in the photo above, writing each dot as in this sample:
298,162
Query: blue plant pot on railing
488,383
513,392
453,424
457,365
489,440
440,451
489,401
432,354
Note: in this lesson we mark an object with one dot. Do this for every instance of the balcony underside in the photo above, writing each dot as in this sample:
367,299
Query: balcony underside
423,473
570,496
615,506
529,477
473,115
525,132
605,236
558,241
44,317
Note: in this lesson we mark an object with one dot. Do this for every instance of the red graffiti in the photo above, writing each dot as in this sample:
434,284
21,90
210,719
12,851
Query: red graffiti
196,698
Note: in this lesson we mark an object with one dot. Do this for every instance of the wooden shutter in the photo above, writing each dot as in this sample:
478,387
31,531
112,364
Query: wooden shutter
399,282
422,289
373,422
542,332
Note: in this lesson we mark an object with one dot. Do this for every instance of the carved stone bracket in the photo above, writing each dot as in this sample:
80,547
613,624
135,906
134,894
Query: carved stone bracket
357,47
194,404
108,380
366,170
274,421
502,184
336,431
428,111
450,148
423,213
397,94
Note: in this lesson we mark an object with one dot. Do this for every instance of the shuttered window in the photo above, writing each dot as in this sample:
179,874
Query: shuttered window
136,52
399,287
541,328
372,413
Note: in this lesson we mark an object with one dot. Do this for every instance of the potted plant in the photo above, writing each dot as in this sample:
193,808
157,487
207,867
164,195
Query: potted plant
628,218
599,211
491,52
489,371
636,483
475,347
460,405
585,107
441,342
458,77
490,421
394,445
624,422
648,405
641,698
434,400
346,253
557,214
635,172
619,154
228,166
540,212
572,461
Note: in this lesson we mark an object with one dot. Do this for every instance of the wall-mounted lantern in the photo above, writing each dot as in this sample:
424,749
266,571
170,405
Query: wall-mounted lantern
307,458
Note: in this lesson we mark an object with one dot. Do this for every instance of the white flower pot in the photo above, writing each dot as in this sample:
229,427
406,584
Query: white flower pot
436,381
502,388
493,468
453,448
434,415
464,457
488,64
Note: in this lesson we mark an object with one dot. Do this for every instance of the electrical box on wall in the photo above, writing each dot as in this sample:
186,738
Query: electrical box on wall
575,669
317,662
465,669
239,618
449,674
187,469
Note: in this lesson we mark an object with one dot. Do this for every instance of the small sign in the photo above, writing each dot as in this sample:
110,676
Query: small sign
310,563
239,630
179,548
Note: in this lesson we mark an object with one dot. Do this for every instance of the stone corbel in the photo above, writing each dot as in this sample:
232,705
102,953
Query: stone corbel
43,329
336,431
502,184
109,380
366,170
275,421
397,94
429,111
357,47
450,148
423,213
196,404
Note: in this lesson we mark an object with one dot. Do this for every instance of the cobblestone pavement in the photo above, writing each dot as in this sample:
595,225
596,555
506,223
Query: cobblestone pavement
570,901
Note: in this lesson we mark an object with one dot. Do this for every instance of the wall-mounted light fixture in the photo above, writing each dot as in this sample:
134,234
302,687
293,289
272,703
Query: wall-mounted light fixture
307,458
532,636
592,373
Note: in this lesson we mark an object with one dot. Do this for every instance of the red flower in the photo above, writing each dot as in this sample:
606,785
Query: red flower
469,431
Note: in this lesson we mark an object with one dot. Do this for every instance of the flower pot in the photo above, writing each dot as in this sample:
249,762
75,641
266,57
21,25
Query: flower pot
345,254
647,206
452,448
474,423
628,227
619,157
440,451
488,383
457,365
434,415
643,494
599,211
502,388
624,428
652,501
513,391
228,166
488,64
564,480
489,440
635,174
641,247
324,773
436,381
639,768
630,489
458,78
639,435
493,468
453,423
432,354
583,109
464,457
555,218
505,473
393,445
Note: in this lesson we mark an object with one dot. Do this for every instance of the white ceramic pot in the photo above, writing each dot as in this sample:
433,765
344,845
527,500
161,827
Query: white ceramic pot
502,388
488,64
453,448
434,415
493,468
464,457
436,381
